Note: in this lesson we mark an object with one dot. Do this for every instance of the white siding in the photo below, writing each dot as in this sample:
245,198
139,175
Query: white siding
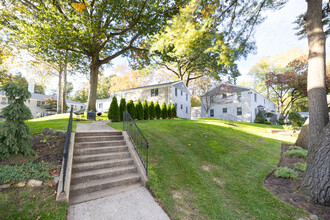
182,98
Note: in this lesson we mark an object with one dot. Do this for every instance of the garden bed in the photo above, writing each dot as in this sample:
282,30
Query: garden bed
288,189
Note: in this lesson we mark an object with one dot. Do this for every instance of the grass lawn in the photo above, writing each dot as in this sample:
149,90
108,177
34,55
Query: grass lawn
31,203
207,169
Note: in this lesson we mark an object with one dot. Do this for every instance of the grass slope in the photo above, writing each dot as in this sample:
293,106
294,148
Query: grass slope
207,169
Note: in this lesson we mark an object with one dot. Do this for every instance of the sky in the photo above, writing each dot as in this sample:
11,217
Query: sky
274,36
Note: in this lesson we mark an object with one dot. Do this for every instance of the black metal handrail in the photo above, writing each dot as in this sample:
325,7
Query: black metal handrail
141,144
66,147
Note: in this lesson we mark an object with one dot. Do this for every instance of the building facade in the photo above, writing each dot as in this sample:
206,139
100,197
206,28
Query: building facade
173,92
236,103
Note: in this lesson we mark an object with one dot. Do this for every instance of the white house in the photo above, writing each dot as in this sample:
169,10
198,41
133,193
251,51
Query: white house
173,92
36,101
236,103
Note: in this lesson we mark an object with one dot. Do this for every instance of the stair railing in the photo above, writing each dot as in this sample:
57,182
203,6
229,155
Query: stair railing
140,143
66,148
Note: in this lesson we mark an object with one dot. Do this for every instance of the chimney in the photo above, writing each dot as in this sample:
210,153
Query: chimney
31,86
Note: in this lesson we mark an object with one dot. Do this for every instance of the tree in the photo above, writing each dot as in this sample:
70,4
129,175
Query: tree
103,87
295,118
316,182
122,108
173,111
80,95
157,110
50,104
260,118
113,113
15,136
145,108
206,38
163,111
102,31
131,108
151,110
139,110
169,111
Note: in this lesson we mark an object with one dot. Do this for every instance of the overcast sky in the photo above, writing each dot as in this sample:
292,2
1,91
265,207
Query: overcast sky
274,36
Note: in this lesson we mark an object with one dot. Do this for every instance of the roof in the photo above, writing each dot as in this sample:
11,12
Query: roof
42,97
142,87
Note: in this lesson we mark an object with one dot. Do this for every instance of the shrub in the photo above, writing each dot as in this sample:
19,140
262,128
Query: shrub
267,122
280,120
163,110
300,166
122,108
169,112
269,115
259,118
15,135
173,111
295,118
295,151
13,174
157,111
145,109
151,110
139,110
131,108
113,113
285,172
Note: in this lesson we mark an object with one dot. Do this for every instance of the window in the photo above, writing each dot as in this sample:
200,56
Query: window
255,111
176,106
186,97
181,106
239,96
100,105
255,97
42,102
224,110
186,110
239,111
211,112
181,92
176,92
224,95
154,92
75,106
38,103
3,101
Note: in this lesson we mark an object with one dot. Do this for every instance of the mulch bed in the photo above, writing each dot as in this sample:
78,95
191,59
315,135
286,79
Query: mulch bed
47,149
288,189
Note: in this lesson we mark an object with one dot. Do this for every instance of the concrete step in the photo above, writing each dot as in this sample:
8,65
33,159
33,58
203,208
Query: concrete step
102,133
101,164
99,144
101,173
98,138
102,193
101,184
98,157
99,150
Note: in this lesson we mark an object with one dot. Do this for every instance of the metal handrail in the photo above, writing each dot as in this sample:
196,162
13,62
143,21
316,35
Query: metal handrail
140,143
66,147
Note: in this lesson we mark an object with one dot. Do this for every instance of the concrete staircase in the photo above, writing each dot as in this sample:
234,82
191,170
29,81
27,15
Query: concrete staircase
102,166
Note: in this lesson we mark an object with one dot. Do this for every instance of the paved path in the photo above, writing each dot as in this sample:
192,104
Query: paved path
94,126
133,204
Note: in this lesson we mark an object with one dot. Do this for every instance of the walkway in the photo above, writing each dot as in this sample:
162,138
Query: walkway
133,204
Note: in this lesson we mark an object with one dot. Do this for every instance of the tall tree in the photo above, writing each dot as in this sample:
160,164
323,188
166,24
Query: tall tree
317,178
99,30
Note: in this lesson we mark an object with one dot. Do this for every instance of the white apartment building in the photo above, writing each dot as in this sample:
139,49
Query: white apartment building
236,103
173,92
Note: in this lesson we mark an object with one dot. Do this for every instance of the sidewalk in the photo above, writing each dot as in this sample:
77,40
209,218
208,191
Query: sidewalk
133,204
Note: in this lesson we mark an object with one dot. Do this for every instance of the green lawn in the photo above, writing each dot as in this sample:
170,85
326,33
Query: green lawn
207,169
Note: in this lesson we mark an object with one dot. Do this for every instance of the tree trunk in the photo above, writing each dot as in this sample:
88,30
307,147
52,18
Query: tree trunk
59,95
316,182
65,83
316,83
94,73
